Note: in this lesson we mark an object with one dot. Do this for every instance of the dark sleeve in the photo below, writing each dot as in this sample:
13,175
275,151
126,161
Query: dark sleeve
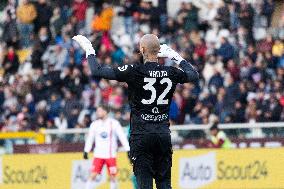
122,74
186,73
100,71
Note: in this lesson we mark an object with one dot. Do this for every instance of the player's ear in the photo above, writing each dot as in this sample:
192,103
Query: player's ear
142,50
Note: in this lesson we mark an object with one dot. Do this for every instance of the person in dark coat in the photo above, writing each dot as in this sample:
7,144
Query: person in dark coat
191,20
223,15
245,15
239,112
267,10
226,50
10,34
44,12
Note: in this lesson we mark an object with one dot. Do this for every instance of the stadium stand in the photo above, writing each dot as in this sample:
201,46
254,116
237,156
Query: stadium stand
45,82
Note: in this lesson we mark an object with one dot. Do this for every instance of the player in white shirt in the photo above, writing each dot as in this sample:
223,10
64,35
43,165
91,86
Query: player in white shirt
104,132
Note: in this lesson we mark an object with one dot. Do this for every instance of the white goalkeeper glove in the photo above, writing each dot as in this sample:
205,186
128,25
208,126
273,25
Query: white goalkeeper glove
168,52
85,44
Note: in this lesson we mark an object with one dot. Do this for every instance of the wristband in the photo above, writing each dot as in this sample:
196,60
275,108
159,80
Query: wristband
177,58
90,51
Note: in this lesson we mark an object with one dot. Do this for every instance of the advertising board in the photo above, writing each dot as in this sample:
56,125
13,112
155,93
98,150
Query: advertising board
192,169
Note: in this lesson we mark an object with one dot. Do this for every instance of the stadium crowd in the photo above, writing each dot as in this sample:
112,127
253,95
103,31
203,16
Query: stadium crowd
45,81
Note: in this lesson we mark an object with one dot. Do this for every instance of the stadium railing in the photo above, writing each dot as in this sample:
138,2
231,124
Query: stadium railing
250,130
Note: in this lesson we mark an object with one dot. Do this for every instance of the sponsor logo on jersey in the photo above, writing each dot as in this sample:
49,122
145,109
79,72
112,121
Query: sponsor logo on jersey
122,68
155,110
174,59
151,117
104,134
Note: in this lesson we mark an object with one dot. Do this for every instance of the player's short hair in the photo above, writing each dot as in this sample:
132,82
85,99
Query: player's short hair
152,43
154,50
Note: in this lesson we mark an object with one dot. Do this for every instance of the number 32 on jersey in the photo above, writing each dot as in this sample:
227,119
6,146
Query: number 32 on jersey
149,86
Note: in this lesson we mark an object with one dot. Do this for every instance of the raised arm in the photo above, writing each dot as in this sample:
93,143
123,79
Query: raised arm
98,70
186,73
191,73
107,72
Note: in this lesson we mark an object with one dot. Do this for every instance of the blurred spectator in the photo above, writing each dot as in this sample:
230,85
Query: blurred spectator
10,9
56,55
278,48
182,12
145,11
44,13
11,61
174,112
56,23
102,22
218,138
26,13
44,76
162,10
234,20
223,15
118,55
191,19
71,108
267,10
129,9
79,9
239,112
50,124
246,13
43,38
54,106
226,50
265,44
10,33
116,99
61,122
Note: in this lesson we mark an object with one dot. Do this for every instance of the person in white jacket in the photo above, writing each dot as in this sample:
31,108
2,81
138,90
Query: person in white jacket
104,132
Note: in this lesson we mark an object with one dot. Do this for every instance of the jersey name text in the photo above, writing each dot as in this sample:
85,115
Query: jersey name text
158,73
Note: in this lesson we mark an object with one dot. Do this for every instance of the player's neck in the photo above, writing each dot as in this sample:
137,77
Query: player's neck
150,59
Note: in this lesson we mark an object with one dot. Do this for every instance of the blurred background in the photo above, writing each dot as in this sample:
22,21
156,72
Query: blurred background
48,97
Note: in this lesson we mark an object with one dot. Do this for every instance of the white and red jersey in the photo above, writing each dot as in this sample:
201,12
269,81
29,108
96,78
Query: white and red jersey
105,134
